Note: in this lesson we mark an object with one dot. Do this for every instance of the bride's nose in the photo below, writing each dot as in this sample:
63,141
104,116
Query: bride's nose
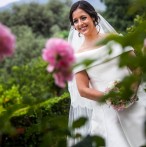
80,22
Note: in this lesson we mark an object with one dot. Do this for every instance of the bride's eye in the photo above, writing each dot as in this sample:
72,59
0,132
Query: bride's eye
83,18
75,21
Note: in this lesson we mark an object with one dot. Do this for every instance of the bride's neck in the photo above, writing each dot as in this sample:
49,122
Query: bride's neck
92,36
90,41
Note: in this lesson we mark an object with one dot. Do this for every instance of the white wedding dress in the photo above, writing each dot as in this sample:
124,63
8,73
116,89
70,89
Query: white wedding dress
119,129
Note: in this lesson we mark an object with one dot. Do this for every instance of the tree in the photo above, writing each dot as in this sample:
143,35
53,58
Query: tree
61,16
39,17
32,15
117,14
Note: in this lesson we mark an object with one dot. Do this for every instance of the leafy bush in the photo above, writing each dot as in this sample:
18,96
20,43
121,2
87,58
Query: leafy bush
33,124
10,97
34,82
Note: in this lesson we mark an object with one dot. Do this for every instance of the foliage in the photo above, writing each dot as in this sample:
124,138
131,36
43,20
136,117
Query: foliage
33,82
24,79
33,124
89,141
117,14
61,15
137,20
27,116
57,33
10,97
32,15
40,18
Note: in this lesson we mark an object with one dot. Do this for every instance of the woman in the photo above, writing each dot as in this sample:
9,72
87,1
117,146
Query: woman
119,129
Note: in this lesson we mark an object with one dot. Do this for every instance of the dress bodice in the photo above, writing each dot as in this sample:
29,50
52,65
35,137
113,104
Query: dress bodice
100,71
105,67
100,55
103,74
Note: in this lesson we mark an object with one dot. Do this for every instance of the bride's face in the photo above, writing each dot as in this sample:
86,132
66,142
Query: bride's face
83,23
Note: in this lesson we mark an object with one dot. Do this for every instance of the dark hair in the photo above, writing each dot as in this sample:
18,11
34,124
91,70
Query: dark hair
87,7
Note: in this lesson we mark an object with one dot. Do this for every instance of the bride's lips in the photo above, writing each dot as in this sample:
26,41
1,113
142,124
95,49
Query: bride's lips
83,29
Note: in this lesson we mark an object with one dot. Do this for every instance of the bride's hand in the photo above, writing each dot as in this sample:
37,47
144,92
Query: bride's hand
119,107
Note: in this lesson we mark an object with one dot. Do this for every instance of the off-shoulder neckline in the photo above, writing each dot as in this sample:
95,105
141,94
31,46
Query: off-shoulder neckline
89,50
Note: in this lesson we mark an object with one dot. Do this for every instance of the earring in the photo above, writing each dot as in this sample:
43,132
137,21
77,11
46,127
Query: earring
95,23
98,28
79,34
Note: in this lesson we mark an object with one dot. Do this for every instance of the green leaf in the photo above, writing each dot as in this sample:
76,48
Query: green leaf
90,141
98,141
79,122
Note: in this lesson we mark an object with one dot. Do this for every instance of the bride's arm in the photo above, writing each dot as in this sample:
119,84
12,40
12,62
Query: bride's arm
83,81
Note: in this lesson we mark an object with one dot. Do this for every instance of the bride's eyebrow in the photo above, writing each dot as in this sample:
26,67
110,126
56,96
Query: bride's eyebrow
74,18
80,17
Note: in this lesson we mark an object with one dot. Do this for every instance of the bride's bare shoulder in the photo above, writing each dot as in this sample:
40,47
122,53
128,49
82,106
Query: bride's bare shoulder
86,46
103,35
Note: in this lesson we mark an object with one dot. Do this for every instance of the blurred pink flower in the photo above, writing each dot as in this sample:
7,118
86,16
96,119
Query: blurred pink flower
7,42
59,54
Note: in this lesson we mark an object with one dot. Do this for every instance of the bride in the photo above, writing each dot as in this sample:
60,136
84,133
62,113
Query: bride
118,128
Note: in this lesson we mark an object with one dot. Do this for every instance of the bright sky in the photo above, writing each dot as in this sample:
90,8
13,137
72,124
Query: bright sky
6,2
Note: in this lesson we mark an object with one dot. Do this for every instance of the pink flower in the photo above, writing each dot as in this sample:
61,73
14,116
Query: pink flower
59,54
7,42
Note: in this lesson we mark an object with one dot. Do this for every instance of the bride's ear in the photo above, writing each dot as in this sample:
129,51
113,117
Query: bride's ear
94,21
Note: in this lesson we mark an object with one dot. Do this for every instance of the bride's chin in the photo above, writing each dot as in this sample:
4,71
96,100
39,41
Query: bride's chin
84,33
